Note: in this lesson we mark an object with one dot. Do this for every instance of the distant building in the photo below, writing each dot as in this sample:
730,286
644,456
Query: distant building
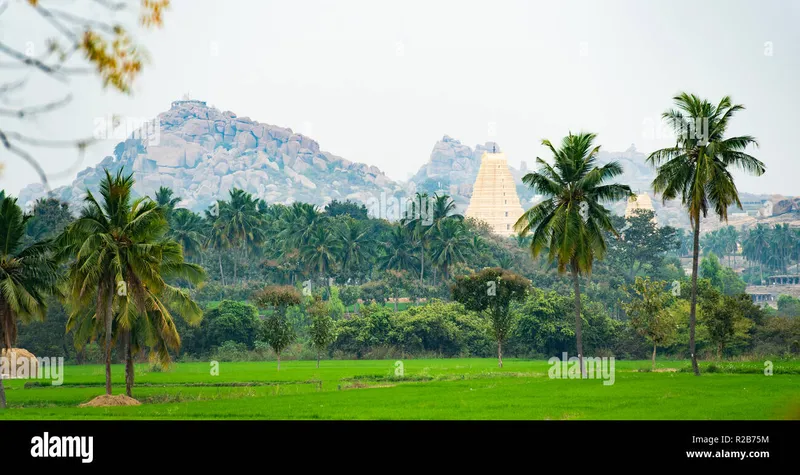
640,201
494,195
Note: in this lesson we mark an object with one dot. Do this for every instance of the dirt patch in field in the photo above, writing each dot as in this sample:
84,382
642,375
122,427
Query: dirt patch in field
109,401
363,385
665,370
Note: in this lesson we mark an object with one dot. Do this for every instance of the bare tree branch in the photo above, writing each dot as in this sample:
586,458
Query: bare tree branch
27,157
34,110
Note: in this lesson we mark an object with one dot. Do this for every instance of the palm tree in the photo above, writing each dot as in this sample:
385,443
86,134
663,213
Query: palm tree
298,222
755,246
120,257
443,208
398,255
356,247
418,224
571,220
27,276
188,230
448,244
320,254
217,238
697,169
241,221
164,198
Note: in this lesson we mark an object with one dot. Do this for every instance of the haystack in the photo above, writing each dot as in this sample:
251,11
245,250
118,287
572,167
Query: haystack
107,401
13,356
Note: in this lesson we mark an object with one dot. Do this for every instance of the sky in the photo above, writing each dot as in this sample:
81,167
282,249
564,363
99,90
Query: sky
380,82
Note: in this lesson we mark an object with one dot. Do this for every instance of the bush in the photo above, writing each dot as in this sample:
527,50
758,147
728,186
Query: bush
230,351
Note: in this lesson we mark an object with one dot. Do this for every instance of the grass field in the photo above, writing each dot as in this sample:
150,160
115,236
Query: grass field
430,389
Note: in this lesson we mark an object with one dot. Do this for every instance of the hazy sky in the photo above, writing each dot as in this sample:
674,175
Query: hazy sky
380,82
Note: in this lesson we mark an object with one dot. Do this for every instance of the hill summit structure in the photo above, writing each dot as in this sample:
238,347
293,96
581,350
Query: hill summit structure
494,196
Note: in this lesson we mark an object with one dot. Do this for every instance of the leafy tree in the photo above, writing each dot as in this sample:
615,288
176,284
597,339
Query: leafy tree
49,218
231,321
278,333
277,330
649,312
375,291
491,291
697,169
788,306
322,330
725,279
28,274
350,295
643,243
347,208
396,282
570,222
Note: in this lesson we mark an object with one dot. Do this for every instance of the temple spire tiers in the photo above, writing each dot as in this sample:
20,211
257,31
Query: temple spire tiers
494,195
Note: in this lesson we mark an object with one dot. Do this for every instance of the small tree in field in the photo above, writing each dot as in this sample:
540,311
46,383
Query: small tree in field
278,332
322,326
650,314
349,296
491,292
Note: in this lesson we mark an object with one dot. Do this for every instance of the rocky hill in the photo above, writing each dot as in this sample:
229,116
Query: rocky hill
202,153
453,167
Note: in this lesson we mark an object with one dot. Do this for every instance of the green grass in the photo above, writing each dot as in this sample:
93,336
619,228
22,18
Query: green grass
430,389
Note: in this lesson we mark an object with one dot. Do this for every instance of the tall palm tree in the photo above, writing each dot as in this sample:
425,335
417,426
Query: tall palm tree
444,208
188,230
120,257
320,254
164,198
27,276
448,245
217,238
698,170
418,222
755,246
397,250
357,247
298,222
242,222
571,220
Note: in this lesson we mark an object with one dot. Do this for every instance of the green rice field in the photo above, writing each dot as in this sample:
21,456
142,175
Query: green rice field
428,389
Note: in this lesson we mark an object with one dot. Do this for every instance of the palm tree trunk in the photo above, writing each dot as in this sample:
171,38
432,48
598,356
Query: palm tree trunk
128,365
221,273
693,308
422,264
109,316
578,323
2,394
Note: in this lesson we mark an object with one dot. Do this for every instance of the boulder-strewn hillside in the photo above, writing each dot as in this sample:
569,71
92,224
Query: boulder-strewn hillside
201,153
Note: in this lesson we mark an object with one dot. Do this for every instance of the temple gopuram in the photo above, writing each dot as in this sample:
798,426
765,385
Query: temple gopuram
494,196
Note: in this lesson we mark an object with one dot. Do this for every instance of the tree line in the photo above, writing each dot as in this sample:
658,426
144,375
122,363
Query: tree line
129,264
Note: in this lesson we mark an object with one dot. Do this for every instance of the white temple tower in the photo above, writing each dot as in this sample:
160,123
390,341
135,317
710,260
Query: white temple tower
494,195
